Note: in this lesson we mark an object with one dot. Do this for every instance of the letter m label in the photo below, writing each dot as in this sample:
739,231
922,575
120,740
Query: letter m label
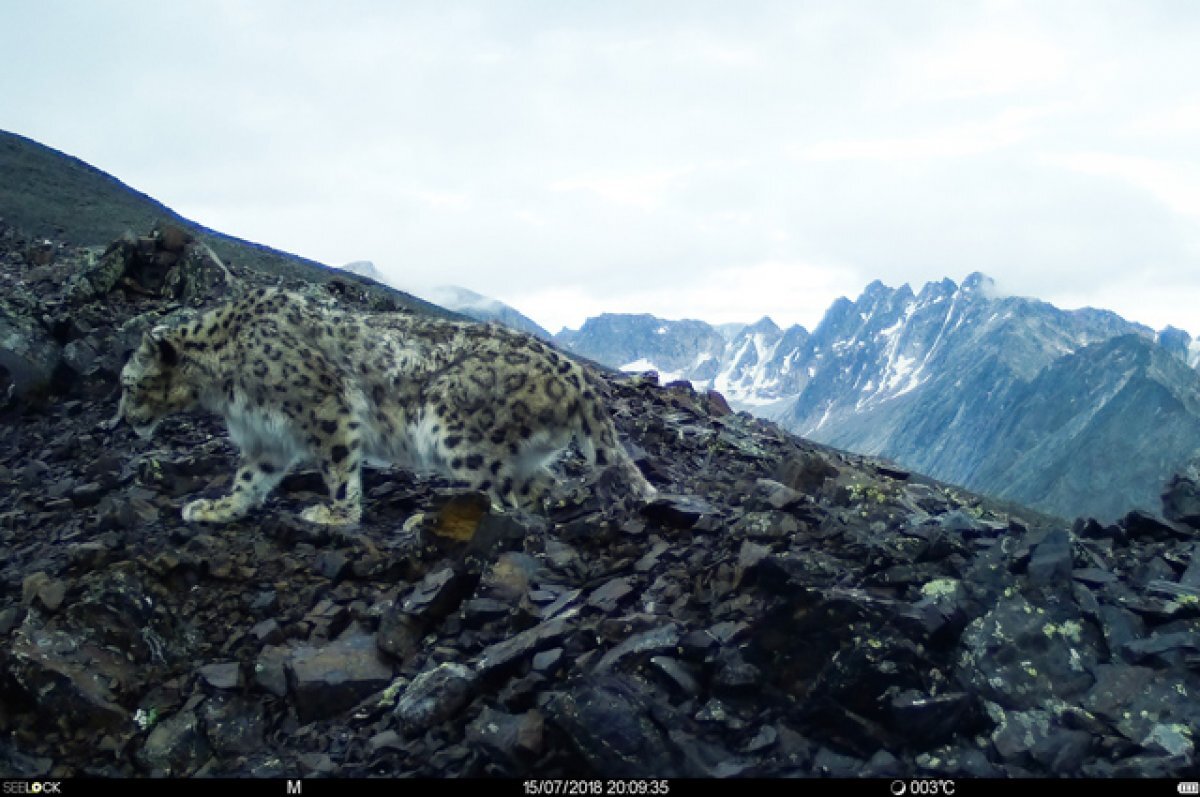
293,787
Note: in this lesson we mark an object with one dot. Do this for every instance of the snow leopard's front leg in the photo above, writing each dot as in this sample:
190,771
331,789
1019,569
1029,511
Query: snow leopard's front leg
255,478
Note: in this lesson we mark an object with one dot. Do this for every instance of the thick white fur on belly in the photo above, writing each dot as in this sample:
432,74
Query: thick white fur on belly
423,443
255,430
415,447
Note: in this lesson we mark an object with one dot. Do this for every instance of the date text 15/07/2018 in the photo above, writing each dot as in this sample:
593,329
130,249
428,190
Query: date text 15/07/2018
596,788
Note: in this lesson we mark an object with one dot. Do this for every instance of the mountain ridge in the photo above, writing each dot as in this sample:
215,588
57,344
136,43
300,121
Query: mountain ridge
923,378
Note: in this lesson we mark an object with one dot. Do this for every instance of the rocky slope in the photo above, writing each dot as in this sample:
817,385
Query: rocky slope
782,609
52,196
1006,395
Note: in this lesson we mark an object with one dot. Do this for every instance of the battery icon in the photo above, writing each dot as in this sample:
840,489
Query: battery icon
1189,787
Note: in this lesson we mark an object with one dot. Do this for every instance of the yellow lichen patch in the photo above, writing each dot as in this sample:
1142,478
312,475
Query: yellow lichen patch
1070,629
939,588
459,519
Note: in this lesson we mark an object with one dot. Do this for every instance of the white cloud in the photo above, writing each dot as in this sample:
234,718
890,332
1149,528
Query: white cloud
645,191
1176,185
1012,126
981,63
1177,120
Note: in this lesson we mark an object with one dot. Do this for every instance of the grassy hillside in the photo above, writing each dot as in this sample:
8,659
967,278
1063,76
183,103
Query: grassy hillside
47,193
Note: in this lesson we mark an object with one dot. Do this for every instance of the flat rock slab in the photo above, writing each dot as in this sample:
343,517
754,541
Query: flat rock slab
325,681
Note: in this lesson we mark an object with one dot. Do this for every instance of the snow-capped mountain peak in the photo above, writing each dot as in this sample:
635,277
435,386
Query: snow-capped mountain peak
929,379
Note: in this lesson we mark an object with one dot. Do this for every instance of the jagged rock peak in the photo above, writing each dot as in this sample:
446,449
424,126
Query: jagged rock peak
764,325
978,282
942,288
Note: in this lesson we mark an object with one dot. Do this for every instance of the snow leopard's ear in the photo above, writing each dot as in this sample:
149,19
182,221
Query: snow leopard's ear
167,353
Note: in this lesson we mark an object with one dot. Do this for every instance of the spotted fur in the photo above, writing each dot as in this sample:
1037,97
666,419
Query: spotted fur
297,382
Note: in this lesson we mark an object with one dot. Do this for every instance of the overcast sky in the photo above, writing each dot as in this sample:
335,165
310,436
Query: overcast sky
720,161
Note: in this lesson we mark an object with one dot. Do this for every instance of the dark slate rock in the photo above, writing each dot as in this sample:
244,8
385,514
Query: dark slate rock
680,676
80,356
1172,741
434,696
46,591
883,765
222,675
497,533
610,593
328,680
268,631
1191,575
28,353
176,746
765,738
1050,562
50,668
830,764
481,610
1144,526
959,762
400,634
928,719
334,565
385,740
99,275
769,494
540,637
1181,501
16,764
658,639
677,511
198,276
10,618
403,625
1164,649
607,723
710,759
270,671
941,611
1135,700
804,472
771,525
1120,627
963,523
509,737
1094,576
234,725
548,660
434,596
558,605
1181,593
1020,655
893,472
1033,738
733,674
